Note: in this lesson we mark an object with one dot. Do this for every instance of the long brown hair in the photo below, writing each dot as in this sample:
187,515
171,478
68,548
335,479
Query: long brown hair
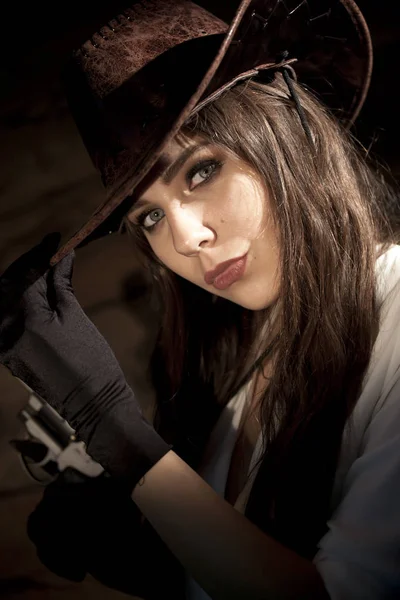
328,206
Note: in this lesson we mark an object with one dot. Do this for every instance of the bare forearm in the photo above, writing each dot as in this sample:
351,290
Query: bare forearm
226,554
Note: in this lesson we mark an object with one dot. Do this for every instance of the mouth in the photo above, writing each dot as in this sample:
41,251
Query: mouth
226,273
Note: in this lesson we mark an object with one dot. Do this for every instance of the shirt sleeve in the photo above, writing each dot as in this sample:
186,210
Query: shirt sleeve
359,556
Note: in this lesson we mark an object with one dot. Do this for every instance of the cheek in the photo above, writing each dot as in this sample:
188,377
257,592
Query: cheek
242,207
160,249
163,248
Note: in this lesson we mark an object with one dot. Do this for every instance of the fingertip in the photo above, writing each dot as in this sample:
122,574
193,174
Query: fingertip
51,241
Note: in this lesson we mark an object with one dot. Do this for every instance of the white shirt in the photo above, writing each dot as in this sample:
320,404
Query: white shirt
359,556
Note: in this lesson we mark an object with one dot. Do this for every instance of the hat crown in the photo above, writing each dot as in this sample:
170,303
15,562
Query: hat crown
139,35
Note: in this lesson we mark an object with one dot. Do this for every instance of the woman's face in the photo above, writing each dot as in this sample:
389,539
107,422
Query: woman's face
209,207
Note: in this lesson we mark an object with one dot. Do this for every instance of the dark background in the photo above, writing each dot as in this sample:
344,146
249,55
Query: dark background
47,180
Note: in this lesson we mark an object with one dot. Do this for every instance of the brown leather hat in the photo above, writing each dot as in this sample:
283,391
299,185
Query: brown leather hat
132,86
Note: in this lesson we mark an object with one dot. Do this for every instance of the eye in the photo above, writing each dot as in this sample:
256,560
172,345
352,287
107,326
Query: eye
202,172
148,220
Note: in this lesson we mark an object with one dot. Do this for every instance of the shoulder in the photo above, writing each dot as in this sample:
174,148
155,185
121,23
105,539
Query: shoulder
380,392
384,368
387,269
359,555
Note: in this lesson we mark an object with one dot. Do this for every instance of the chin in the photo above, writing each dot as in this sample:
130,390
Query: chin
252,303
255,299
254,306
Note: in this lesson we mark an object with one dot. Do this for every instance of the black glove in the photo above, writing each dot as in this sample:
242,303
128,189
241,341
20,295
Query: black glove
48,342
75,514
91,526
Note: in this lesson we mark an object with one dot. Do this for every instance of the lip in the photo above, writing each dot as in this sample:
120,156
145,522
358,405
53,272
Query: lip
226,272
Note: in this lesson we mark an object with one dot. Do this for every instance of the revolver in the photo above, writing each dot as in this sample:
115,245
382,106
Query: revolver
50,445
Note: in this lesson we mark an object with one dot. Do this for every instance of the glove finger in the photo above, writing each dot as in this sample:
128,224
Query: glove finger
61,513
56,524
64,564
60,282
25,271
46,528
21,309
54,534
69,476
34,263
35,301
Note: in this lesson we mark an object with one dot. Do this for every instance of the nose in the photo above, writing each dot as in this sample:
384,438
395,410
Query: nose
189,231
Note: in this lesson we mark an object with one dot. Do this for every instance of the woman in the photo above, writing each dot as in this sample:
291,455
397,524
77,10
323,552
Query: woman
278,373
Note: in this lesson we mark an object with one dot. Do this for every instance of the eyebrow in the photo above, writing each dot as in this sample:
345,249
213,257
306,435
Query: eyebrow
172,170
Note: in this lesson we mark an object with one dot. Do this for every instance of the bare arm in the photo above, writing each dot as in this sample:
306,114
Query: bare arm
227,555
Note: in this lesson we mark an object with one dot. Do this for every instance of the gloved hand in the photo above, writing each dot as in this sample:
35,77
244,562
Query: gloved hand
76,521
91,526
47,341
